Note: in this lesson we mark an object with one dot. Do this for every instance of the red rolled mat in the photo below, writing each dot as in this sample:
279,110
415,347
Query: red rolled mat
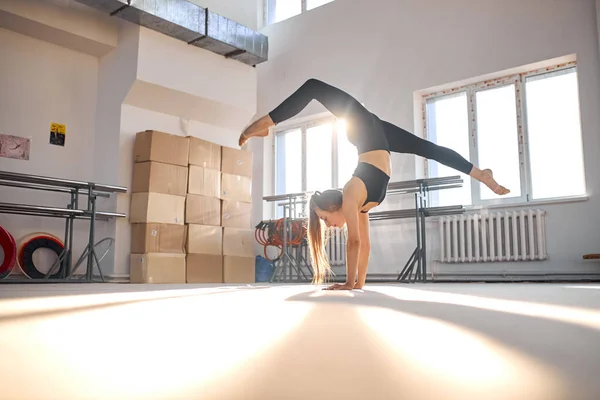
7,242
29,245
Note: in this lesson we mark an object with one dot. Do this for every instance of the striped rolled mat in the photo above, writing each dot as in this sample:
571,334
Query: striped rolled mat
32,242
9,247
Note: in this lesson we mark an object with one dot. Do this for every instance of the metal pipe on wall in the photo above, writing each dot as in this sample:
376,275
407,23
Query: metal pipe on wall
58,182
45,188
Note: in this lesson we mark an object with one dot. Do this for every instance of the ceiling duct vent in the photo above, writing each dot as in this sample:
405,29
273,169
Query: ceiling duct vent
192,24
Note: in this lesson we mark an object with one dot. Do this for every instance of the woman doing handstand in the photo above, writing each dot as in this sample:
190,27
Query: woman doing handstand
374,139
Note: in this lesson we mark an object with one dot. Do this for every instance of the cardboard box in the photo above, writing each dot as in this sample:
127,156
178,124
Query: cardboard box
236,214
204,154
202,210
204,268
157,268
204,239
204,181
157,208
157,238
239,269
238,242
156,177
161,147
236,162
236,188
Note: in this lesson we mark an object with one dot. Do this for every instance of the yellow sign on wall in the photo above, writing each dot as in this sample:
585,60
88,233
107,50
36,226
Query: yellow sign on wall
58,132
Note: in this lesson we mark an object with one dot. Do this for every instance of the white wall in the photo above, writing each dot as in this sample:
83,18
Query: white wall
201,85
64,22
598,17
384,51
43,83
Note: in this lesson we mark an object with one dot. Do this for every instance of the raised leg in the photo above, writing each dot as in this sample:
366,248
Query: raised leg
335,100
402,141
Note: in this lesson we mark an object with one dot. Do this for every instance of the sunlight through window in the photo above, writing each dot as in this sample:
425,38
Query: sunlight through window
289,162
554,134
448,126
310,4
319,157
482,119
285,9
498,140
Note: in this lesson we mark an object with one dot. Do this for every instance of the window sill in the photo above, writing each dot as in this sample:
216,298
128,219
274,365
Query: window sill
533,203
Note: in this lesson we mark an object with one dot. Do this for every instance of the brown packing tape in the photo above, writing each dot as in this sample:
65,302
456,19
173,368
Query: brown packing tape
204,154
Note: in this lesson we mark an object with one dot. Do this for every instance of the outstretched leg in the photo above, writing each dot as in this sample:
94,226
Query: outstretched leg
402,141
338,102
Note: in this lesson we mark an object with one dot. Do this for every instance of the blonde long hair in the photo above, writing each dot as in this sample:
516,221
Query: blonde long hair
329,200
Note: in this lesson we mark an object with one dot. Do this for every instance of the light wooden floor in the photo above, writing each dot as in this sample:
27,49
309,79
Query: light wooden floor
444,341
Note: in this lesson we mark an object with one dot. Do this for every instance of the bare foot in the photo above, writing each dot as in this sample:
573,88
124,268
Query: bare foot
259,128
487,178
358,286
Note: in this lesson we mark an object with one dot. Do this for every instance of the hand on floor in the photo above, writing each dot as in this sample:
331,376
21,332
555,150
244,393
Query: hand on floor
341,286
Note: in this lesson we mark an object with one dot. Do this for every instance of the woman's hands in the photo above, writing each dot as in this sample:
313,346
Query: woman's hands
340,286
344,286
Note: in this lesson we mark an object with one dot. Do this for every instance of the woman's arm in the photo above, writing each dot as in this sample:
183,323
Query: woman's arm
365,250
353,243
354,195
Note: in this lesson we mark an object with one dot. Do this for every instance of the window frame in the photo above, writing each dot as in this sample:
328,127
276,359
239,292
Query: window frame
304,125
269,10
519,80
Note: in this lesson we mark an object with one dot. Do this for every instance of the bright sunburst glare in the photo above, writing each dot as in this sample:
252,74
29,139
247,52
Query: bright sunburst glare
151,349
347,154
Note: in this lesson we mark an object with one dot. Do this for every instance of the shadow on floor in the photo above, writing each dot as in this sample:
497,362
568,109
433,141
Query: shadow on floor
571,349
565,294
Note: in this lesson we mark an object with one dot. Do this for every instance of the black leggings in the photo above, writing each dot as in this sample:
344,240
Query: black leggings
401,141
368,131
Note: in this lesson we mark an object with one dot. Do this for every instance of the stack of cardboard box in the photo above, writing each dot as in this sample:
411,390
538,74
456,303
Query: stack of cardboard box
159,186
190,211
203,214
218,214
238,235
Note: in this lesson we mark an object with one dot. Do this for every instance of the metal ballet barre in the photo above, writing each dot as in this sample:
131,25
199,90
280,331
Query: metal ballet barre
288,263
72,212
421,189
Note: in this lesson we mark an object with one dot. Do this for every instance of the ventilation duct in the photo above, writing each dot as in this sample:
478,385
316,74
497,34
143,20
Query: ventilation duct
192,24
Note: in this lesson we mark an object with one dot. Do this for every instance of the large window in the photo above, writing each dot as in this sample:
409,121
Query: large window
526,128
279,10
313,156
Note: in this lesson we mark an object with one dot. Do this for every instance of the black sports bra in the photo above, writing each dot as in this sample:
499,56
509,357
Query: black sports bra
375,180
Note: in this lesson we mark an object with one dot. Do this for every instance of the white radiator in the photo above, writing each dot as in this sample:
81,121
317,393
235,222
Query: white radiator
493,237
335,247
